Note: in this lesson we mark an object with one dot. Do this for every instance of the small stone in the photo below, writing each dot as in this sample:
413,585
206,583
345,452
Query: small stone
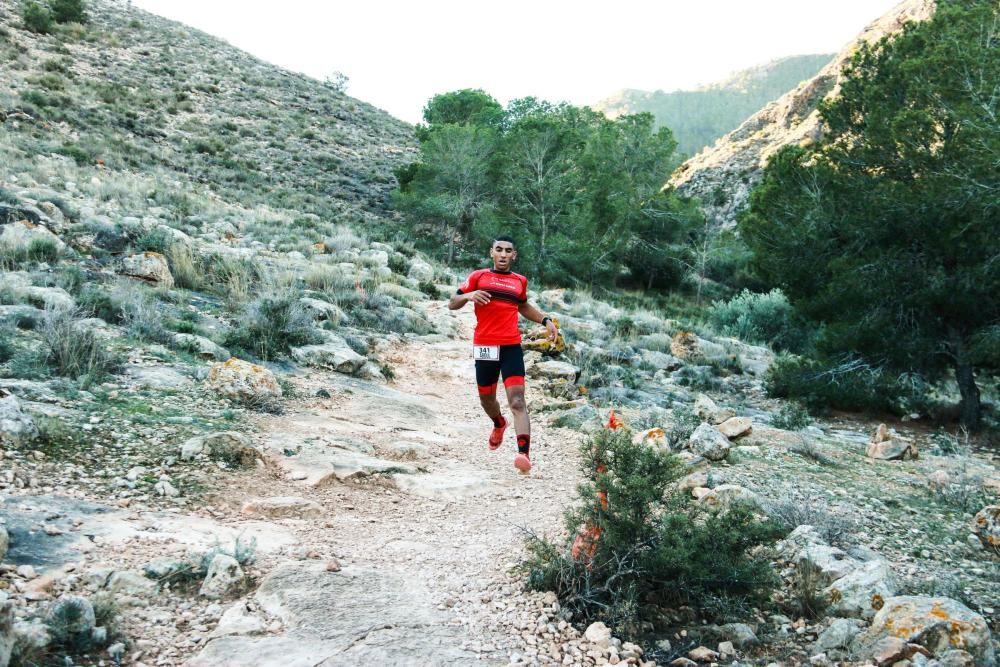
333,565
703,654
225,577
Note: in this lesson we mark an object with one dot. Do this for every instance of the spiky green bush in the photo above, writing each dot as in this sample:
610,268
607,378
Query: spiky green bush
272,324
762,319
657,550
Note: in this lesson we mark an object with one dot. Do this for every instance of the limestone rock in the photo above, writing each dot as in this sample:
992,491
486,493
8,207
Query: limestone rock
838,636
420,270
126,582
706,441
203,347
598,633
149,266
225,577
555,370
22,234
860,593
740,635
223,445
829,563
284,507
887,445
4,542
6,628
703,654
986,526
654,437
735,427
323,310
936,623
334,354
16,425
707,410
242,380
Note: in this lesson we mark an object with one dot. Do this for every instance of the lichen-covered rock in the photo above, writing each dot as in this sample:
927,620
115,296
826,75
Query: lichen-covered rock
16,425
939,624
706,441
243,381
861,592
726,495
225,577
149,266
986,526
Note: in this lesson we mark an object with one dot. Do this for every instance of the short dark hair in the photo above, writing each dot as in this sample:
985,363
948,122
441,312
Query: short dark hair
505,237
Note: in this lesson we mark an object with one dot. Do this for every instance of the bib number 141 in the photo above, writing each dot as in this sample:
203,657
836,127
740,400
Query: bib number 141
486,352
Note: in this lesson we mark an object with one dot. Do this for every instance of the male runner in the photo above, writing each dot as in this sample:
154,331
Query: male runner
499,296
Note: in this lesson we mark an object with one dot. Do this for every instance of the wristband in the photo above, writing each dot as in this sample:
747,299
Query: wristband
546,319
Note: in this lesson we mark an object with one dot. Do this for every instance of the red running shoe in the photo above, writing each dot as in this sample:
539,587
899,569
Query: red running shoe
496,437
522,463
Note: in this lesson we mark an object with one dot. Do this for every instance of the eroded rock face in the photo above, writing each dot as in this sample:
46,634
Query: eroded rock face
149,266
734,165
936,623
242,380
986,526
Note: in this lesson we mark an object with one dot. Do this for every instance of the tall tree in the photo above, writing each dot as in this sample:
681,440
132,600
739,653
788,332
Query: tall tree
888,230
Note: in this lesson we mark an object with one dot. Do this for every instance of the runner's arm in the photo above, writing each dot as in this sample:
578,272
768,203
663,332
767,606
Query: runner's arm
530,312
457,300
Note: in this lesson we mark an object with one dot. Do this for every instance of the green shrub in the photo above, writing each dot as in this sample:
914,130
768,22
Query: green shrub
43,250
761,319
398,264
656,549
844,384
69,11
36,18
791,417
271,325
7,347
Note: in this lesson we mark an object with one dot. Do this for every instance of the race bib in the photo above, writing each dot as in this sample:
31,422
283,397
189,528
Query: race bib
486,352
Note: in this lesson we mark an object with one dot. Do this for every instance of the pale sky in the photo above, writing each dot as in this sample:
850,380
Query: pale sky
398,54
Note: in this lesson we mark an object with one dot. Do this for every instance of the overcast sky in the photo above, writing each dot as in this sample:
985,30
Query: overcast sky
398,54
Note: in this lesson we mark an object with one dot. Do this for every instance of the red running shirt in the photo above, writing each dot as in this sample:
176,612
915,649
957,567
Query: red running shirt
496,322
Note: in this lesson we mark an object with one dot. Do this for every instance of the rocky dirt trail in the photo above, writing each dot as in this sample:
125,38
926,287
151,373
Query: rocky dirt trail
408,554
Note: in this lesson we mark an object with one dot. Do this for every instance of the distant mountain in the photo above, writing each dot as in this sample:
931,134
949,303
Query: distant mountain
699,117
723,176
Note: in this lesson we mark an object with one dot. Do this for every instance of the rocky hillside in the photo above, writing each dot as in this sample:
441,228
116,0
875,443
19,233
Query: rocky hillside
194,120
723,175
699,117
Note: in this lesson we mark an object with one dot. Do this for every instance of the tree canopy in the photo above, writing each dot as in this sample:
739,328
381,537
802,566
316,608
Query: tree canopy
580,193
887,230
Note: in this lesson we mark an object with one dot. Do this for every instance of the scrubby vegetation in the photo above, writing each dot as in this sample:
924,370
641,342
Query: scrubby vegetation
646,550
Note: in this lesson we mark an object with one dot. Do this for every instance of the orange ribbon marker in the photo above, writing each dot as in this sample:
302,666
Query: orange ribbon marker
585,543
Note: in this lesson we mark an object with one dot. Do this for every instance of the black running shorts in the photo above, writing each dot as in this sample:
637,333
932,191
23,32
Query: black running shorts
511,366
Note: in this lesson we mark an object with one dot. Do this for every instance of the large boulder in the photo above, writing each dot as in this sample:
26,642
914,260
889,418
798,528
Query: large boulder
22,234
706,441
859,593
887,445
151,267
323,310
939,624
735,427
829,563
420,270
707,410
16,425
334,354
243,381
986,526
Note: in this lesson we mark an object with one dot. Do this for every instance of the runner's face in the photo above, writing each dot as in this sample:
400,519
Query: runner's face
503,255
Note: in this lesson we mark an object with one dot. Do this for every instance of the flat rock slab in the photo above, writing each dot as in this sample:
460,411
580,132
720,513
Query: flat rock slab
358,616
370,402
453,482
99,525
317,464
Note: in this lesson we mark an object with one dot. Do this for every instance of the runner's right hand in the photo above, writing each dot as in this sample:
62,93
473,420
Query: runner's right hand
481,297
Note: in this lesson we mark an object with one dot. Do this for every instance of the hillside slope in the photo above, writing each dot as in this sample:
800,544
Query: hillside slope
132,92
723,175
699,117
